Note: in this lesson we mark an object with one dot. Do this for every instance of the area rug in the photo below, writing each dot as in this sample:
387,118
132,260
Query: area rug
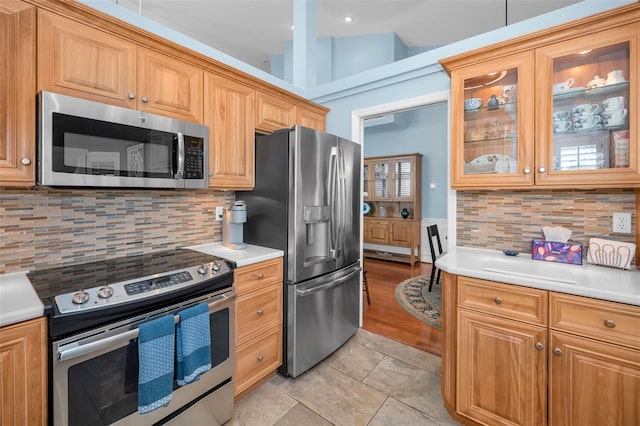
414,296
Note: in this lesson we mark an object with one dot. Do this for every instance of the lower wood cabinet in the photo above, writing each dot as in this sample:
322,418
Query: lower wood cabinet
258,323
515,355
23,373
393,232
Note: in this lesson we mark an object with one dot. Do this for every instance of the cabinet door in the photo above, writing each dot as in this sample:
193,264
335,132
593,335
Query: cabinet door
376,231
400,233
169,86
403,185
17,88
592,383
23,373
310,119
367,169
273,113
587,117
492,123
229,113
77,60
381,183
501,370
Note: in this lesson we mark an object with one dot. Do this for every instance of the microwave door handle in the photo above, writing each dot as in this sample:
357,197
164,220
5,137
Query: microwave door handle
180,171
74,350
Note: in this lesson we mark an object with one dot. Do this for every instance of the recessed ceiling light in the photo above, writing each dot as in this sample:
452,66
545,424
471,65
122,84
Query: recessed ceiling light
347,19
291,26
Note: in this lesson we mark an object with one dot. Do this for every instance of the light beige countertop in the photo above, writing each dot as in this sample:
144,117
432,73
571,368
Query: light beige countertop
588,280
252,254
18,299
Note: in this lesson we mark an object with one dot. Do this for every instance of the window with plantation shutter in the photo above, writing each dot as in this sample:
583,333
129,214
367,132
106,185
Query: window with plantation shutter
403,179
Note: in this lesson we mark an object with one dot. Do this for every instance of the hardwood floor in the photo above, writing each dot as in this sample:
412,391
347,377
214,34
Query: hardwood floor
386,317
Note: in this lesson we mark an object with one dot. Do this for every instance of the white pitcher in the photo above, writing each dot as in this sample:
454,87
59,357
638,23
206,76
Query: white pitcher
615,76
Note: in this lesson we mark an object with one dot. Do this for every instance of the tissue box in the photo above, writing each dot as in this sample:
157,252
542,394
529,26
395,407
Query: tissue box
556,251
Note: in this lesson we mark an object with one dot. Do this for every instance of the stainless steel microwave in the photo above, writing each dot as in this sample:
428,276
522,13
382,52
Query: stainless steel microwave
86,143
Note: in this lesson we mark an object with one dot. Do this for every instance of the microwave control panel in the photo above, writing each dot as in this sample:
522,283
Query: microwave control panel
193,158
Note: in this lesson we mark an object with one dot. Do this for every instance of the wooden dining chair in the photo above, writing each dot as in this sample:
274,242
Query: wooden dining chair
365,287
432,232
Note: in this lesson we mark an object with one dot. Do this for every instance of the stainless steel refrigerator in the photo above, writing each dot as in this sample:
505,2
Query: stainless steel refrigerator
306,202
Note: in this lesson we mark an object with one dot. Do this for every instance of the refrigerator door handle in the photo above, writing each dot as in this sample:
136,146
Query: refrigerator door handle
342,199
333,199
316,288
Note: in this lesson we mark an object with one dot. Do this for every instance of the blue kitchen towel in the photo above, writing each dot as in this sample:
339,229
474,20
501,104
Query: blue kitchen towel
156,346
194,344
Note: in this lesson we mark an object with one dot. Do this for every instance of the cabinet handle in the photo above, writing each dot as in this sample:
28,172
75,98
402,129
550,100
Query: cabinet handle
25,161
539,346
542,170
498,300
527,171
557,352
131,95
144,99
610,324
260,358
260,312
260,276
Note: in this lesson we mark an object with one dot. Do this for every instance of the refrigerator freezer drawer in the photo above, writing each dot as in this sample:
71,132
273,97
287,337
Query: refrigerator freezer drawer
323,314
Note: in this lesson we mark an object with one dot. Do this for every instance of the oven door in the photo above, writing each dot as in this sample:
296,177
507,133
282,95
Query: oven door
95,374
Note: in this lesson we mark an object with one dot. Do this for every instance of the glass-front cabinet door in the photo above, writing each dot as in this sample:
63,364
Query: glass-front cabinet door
587,122
492,134
366,168
381,185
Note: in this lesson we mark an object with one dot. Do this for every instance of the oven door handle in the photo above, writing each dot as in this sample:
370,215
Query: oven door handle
74,350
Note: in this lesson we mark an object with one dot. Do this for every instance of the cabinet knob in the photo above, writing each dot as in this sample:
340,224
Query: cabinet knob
610,324
260,357
260,312
542,170
260,276
131,95
144,99
557,352
527,171
25,161
498,300
539,346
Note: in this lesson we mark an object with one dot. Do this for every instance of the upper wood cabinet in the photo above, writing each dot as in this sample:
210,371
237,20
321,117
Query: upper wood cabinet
558,108
310,119
17,88
229,113
273,113
77,60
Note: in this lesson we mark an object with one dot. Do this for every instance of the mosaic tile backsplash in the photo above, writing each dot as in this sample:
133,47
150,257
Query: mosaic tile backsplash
511,219
45,228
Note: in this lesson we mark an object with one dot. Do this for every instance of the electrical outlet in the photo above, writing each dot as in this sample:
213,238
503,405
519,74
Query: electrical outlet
219,213
622,223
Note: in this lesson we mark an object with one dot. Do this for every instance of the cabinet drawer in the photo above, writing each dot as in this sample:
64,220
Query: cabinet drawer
505,300
258,311
257,358
252,277
599,319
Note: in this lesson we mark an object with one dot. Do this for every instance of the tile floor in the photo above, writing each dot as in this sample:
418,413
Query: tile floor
371,380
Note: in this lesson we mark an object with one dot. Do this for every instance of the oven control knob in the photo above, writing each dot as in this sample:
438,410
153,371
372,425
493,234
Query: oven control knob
80,297
202,270
105,292
216,266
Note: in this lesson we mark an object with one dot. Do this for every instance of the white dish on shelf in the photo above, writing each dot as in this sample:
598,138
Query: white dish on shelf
607,88
570,90
491,163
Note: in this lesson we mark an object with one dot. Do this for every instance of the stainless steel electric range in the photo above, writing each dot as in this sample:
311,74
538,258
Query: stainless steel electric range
94,310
